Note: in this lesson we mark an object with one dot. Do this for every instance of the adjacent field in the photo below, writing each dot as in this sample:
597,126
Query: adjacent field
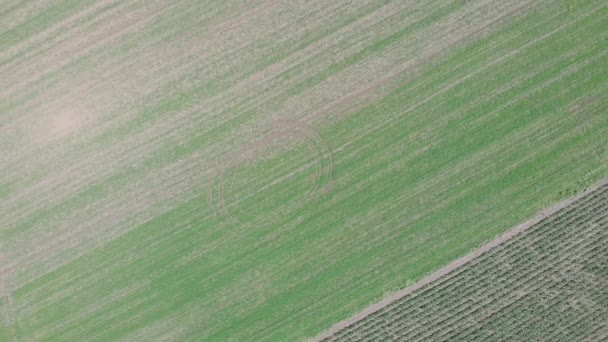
547,283
259,170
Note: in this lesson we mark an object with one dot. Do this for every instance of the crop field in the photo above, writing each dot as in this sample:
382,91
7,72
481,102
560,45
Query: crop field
260,170
548,283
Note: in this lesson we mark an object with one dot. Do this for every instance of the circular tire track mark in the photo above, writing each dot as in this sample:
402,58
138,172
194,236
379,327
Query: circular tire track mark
301,136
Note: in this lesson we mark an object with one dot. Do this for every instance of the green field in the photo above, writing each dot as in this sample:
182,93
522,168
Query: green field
547,283
229,170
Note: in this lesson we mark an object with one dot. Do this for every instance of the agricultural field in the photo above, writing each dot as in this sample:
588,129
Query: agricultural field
547,283
260,170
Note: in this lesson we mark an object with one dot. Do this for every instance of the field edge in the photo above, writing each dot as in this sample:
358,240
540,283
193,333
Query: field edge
460,262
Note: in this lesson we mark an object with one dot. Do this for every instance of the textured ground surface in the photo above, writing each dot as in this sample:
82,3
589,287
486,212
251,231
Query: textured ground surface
548,283
212,170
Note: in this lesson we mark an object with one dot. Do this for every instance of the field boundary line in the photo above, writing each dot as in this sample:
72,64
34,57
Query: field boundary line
464,260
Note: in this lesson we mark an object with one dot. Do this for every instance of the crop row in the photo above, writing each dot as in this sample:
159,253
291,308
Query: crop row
428,309
499,296
477,306
487,289
437,290
383,319
537,278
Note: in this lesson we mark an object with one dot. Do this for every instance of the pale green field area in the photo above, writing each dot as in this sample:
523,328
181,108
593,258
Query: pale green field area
250,171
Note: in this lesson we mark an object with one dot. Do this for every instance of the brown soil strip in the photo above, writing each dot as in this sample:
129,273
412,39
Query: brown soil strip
458,262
